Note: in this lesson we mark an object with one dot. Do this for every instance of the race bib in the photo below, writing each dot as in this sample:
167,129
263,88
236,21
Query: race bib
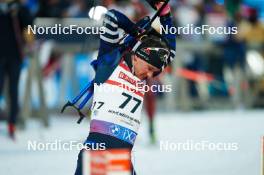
119,100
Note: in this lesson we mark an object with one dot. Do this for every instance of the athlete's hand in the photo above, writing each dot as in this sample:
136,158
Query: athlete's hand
166,10
153,3
156,4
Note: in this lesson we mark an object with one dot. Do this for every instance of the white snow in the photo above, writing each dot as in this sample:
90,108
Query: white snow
242,127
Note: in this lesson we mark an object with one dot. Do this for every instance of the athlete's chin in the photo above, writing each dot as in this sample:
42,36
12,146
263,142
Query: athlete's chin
142,77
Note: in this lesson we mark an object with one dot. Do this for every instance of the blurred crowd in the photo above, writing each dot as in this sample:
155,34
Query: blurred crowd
235,61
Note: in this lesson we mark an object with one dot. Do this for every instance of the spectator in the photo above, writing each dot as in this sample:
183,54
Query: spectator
234,64
13,18
255,34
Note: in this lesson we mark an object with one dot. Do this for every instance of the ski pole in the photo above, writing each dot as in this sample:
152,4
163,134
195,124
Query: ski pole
78,97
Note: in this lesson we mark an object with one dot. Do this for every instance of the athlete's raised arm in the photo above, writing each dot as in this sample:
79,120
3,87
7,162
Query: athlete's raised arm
113,22
167,23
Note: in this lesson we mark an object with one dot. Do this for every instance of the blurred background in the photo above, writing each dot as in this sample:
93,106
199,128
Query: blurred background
217,85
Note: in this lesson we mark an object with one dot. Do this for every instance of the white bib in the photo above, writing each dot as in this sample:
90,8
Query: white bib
118,100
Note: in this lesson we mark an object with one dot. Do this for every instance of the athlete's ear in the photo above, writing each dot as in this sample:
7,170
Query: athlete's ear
134,58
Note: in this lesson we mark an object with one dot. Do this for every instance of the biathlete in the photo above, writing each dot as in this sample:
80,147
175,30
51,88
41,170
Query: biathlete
115,117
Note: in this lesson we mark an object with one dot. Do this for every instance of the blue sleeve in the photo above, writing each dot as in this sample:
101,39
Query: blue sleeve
110,53
109,41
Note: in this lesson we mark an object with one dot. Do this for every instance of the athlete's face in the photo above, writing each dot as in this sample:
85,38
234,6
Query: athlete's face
142,69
